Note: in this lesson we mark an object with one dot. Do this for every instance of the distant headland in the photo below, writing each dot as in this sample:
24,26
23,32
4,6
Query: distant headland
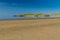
37,15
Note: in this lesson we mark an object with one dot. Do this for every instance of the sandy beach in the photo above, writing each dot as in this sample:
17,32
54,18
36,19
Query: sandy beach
41,29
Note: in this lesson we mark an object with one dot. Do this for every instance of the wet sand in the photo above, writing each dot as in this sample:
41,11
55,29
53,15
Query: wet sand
42,29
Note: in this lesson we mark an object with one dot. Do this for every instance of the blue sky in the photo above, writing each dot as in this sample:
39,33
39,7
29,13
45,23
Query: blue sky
8,8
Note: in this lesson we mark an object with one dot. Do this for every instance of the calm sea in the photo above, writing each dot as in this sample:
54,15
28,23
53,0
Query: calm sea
22,18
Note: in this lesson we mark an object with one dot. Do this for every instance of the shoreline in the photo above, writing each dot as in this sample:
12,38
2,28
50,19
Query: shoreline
31,18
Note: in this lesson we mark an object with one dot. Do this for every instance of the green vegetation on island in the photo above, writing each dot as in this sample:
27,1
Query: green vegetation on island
37,15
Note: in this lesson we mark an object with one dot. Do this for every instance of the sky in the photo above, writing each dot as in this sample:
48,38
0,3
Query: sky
8,8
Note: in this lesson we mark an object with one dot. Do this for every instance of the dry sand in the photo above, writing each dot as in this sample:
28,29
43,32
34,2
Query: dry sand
43,29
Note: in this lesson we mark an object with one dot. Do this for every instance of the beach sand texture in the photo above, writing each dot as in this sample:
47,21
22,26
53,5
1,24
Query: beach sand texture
42,29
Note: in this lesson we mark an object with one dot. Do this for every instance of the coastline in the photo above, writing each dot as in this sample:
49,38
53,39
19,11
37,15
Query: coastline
31,18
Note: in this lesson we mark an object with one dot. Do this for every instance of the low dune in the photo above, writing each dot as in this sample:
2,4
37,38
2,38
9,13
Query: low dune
42,29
